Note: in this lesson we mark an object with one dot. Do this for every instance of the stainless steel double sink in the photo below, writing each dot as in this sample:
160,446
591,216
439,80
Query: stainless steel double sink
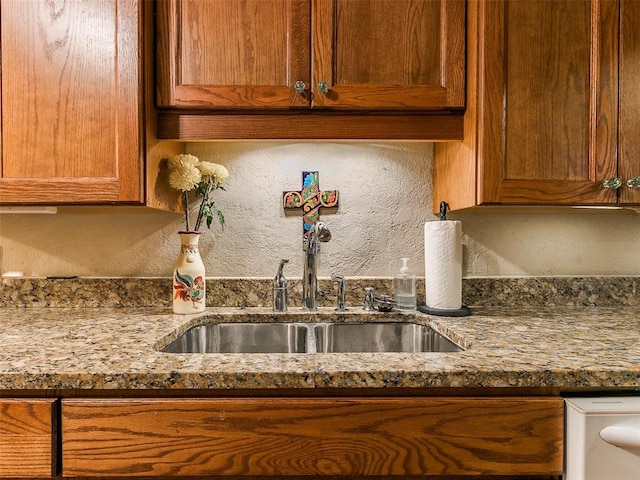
282,337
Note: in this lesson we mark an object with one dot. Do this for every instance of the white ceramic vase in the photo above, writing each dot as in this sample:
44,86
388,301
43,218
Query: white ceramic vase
189,288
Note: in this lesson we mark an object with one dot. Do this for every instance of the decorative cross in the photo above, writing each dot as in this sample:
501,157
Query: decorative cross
309,199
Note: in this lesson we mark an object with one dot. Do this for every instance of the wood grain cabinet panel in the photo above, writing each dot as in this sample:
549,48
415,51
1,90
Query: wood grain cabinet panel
250,69
71,102
232,53
27,438
388,54
541,126
359,437
372,54
629,149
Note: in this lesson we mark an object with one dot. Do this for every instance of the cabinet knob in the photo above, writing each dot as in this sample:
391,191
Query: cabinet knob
612,183
633,182
323,87
300,87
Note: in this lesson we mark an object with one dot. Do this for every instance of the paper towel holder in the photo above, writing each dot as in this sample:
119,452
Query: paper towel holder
444,206
463,311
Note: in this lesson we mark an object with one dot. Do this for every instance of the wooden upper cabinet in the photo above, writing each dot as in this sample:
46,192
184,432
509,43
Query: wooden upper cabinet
629,140
548,74
541,123
71,103
388,54
232,53
253,54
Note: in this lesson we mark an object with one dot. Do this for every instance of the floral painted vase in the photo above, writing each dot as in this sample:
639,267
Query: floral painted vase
189,276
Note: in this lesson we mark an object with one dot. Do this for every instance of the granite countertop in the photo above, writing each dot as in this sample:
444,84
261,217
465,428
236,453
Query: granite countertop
117,348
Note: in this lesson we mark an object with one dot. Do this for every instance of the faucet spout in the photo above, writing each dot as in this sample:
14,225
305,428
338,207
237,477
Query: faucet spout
319,233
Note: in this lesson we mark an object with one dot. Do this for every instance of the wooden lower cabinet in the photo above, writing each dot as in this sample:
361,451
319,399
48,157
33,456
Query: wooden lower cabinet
27,438
284,437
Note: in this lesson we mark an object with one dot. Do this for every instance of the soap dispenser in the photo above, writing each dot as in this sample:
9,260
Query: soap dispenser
404,288
280,289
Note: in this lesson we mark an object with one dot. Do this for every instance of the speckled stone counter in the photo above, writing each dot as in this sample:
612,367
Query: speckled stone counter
538,347
256,292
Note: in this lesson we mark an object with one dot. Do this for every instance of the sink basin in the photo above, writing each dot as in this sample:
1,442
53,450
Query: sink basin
242,338
380,337
283,337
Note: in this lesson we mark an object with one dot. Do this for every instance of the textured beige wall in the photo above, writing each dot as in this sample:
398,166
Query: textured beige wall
385,193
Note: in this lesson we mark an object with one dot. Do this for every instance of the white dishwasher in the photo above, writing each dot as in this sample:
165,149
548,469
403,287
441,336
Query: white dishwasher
602,438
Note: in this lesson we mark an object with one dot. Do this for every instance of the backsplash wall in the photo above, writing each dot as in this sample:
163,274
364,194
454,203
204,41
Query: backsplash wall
385,198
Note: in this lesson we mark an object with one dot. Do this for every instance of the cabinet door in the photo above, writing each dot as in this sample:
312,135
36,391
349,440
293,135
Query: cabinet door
547,114
629,157
27,438
388,54
300,437
232,53
70,102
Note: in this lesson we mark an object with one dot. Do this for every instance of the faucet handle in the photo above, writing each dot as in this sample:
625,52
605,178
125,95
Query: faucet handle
280,289
279,280
385,303
342,291
368,299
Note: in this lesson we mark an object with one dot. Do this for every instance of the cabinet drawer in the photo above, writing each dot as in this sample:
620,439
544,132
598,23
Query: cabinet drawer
312,436
27,438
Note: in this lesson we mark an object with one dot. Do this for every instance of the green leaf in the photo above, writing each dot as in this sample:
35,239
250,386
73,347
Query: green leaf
202,189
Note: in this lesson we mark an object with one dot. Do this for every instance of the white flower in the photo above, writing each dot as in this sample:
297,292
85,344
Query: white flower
186,173
216,172
185,177
207,168
177,161
221,174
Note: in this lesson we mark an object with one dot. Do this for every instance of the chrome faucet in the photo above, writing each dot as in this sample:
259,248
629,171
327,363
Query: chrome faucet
319,233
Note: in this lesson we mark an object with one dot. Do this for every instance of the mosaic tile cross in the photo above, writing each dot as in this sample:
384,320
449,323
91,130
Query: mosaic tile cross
310,199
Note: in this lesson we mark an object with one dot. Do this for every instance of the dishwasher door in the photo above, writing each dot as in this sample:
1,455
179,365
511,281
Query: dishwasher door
602,438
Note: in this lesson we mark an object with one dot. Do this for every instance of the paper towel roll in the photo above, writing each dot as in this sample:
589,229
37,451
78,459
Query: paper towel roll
443,264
